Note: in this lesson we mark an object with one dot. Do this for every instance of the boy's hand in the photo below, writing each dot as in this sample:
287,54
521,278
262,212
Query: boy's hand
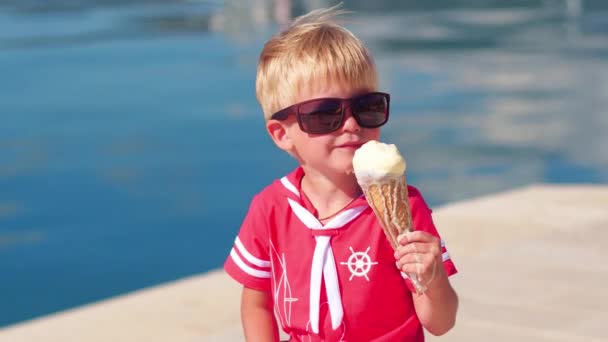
420,253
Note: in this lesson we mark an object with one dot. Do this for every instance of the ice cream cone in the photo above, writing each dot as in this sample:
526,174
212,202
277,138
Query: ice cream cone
389,199
380,172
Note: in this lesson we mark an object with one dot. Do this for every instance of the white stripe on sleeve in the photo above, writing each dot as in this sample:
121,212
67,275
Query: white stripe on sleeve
244,252
445,256
247,269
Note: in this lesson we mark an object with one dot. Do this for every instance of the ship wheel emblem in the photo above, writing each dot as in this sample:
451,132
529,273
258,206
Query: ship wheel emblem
359,264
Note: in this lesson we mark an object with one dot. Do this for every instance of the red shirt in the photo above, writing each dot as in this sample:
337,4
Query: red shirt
337,282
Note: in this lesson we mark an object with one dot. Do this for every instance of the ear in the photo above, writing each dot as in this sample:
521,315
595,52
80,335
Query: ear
278,133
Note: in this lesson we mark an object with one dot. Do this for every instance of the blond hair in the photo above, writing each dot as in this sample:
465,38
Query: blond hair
312,49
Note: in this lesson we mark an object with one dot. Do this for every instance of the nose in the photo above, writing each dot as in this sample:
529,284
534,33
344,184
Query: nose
350,123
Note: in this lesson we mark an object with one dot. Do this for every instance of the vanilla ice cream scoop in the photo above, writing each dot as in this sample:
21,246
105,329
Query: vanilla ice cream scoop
379,160
380,172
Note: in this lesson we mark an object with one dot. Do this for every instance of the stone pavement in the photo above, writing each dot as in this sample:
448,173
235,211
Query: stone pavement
532,267
542,277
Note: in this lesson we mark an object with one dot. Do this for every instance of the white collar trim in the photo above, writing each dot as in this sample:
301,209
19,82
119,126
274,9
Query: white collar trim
287,184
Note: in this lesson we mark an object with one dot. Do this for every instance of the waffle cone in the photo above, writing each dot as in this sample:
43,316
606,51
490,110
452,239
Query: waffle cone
388,198
380,172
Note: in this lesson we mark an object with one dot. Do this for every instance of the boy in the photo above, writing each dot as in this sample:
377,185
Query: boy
310,251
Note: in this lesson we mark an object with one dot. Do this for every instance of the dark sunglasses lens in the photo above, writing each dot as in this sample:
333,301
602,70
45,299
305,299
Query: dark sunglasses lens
321,116
371,110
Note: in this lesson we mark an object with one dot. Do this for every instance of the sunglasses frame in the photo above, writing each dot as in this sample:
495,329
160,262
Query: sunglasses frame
284,113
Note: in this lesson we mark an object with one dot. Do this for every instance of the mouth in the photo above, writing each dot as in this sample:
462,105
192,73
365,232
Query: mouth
351,145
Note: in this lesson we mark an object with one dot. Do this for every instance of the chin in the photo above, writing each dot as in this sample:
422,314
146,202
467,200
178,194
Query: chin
339,164
346,168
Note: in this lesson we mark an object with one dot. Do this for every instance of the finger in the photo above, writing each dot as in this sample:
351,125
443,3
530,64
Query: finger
434,250
424,274
417,269
417,236
416,247
420,265
433,247
415,258
402,239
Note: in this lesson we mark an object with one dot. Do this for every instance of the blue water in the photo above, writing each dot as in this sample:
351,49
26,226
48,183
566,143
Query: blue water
131,141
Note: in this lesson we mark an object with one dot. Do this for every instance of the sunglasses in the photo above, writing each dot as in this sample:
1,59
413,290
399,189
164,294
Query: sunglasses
326,115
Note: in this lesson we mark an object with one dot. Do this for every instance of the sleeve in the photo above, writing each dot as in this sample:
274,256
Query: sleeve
249,260
422,220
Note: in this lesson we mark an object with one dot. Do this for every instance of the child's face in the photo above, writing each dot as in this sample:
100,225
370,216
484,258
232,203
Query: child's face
329,153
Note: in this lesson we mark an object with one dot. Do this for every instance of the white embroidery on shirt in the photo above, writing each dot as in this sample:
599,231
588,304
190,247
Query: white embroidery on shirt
359,264
281,282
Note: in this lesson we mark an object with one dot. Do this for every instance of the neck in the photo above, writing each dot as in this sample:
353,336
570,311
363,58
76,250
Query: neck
329,195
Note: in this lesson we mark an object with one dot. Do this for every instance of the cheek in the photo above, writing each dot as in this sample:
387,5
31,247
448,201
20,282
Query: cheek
309,144
294,132
372,134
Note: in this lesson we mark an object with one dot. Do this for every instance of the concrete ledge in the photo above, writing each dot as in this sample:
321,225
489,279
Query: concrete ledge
185,310
532,267
474,226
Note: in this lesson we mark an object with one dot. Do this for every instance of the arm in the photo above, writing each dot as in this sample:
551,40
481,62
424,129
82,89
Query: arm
257,315
420,253
437,307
